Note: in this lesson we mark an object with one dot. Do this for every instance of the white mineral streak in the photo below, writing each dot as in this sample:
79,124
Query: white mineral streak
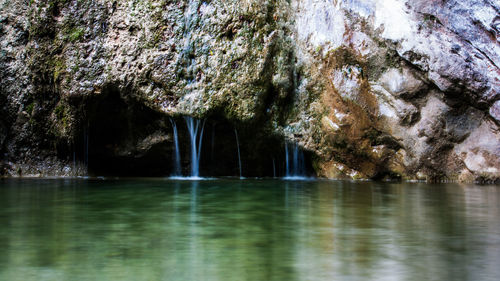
320,23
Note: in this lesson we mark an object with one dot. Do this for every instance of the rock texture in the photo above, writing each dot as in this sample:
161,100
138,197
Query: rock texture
372,89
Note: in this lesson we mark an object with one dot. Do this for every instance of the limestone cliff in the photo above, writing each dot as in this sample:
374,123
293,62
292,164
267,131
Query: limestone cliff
371,89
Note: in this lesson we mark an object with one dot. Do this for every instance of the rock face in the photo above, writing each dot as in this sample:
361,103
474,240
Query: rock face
371,89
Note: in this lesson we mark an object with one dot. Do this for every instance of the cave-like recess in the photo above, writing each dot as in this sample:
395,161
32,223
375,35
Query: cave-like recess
120,136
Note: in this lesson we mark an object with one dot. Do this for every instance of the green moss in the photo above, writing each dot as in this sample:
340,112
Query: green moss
75,67
29,108
59,111
318,50
75,34
357,176
41,17
62,113
59,68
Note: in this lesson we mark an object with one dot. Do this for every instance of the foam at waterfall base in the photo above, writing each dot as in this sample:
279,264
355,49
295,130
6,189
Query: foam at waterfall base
297,178
189,178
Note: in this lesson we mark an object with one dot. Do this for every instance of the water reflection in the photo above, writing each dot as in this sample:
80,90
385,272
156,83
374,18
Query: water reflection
247,230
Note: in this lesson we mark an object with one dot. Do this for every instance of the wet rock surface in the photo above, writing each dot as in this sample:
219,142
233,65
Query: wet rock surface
371,89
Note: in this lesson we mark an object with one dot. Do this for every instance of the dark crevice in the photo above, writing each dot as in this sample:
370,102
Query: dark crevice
120,136
482,53
386,176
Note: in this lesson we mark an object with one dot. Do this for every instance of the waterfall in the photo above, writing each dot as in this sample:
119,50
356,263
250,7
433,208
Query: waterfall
295,160
295,169
238,145
177,156
196,136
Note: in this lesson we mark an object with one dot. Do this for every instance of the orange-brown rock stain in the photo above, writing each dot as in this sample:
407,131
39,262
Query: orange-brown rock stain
352,141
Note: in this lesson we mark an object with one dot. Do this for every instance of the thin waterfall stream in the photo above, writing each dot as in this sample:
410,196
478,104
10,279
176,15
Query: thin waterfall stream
295,169
177,156
239,155
196,137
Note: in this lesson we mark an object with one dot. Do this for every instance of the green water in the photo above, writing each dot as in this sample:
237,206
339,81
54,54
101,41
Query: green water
147,229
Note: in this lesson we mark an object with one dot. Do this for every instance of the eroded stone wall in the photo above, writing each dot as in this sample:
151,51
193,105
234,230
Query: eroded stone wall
373,89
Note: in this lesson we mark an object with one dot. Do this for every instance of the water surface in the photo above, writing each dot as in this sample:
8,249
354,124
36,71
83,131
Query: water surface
146,229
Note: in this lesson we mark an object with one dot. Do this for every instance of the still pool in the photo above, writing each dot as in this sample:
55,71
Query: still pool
157,229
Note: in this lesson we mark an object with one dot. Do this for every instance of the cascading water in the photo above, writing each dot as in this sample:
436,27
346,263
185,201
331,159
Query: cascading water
238,146
177,160
295,169
196,136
